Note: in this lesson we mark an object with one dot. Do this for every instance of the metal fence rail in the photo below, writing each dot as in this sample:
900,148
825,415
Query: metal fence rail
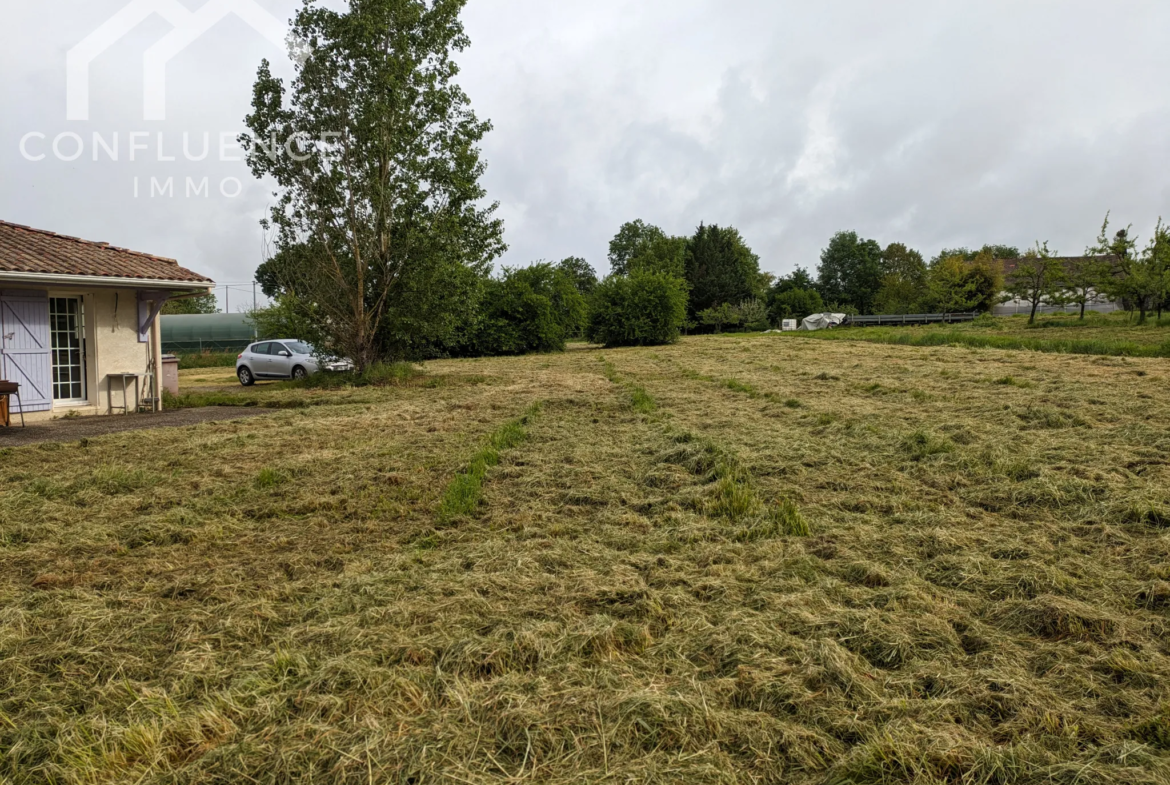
909,318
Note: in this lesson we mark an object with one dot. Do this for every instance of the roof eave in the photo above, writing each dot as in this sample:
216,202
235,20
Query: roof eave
104,281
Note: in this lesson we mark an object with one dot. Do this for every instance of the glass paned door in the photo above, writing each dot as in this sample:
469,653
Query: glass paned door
67,329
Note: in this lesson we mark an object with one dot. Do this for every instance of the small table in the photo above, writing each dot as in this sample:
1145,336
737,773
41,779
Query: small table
7,390
122,377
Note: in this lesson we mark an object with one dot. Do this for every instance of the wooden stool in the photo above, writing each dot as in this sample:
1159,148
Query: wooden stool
7,390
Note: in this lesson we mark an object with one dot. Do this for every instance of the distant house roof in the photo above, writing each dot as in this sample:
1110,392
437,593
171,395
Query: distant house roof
37,252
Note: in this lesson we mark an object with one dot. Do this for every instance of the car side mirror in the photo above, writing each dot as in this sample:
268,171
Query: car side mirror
286,354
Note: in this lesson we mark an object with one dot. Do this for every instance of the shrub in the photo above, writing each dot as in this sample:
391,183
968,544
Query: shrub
642,309
725,315
957,285
795,304
531,309
753,315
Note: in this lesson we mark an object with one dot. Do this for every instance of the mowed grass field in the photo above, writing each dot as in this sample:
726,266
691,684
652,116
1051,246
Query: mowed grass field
733,560
1115,334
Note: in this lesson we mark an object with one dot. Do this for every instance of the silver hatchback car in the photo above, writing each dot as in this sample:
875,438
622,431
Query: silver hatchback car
283,359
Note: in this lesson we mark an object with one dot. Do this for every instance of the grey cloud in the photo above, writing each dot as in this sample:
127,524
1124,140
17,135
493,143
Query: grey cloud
924,122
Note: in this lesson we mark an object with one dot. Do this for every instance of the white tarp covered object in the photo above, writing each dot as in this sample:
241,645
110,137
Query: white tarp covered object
822,321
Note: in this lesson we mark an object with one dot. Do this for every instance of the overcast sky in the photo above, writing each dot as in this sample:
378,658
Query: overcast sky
935,123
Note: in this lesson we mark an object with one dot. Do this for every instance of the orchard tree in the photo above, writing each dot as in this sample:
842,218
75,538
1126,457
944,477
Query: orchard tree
375,152
1037,278
1135,279
1159,254
1082,280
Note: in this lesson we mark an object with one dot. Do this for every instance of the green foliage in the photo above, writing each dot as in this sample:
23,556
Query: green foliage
956,285
850,273
753,315
667,255
191,305
631,238
1037,278
289,317
582,275
799,279
720,316
903,284
269,478
642,309
1081,281
1140,281
379,220
465,491
794,304
529,309
720,268
990,250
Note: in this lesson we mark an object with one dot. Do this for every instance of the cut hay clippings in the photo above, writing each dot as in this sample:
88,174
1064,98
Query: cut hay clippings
1056,619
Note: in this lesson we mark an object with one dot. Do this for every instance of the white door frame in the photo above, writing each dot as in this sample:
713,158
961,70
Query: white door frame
80,333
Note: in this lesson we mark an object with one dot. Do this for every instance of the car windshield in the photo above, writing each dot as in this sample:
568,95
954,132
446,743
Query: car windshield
296,347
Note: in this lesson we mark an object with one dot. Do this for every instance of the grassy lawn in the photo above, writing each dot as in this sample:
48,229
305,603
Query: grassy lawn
1116,335
736,559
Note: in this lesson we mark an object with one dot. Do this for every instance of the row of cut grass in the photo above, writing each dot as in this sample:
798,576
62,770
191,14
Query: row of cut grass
734,496
464,493
641,400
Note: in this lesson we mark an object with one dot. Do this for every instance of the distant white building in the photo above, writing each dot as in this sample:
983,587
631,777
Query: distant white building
1099,304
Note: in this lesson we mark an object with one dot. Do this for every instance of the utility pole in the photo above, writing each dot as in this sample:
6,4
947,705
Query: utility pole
227,299
253,295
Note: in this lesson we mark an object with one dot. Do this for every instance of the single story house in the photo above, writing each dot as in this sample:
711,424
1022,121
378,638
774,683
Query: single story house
79,319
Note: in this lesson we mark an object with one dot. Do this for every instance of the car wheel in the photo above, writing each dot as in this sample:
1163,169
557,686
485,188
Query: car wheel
246,377
300,374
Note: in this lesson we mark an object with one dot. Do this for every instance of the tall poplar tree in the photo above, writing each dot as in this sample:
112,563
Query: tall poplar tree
375,152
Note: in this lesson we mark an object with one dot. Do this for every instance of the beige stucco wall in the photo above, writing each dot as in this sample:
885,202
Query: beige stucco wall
112,345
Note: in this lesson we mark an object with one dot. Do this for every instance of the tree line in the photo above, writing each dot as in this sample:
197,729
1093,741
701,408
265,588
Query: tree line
858,276
385,242
659,287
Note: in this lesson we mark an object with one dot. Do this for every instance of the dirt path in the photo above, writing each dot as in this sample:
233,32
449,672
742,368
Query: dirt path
89,427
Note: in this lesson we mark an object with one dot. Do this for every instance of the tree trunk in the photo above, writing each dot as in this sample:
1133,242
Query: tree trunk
1032,318
1083,310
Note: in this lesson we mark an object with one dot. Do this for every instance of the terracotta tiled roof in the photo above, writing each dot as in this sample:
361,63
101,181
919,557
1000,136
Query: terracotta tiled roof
27,250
